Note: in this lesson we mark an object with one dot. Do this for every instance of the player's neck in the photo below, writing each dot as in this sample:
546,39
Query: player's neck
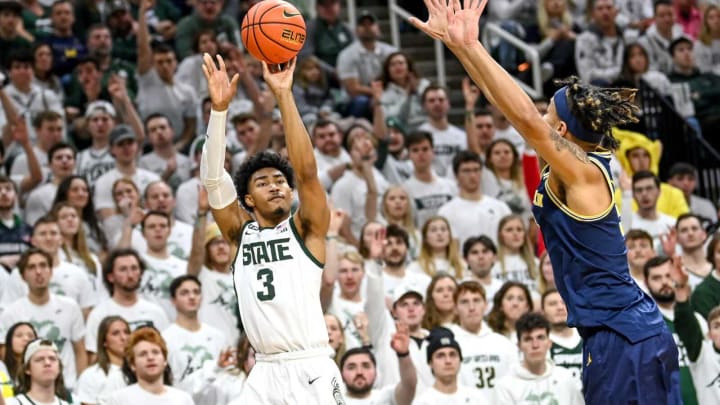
42,393
188,321
39,296
154,387
446,385
268,222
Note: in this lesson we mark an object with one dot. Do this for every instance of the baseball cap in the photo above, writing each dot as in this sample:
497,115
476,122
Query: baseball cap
12,5
121,133
99,106
118,5
393,122
211,232
403,290
441,337
366,14
37,345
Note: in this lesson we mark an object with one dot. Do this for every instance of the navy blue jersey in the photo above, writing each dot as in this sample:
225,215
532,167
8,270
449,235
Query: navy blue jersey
589,261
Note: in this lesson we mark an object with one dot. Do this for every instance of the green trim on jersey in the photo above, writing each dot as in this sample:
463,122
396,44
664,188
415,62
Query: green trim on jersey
302,244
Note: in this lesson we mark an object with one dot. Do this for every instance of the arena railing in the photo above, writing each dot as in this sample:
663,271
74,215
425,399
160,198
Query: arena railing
492,34
681,142
397,11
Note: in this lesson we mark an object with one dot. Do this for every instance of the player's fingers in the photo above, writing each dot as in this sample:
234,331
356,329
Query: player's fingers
206,72
456,7
234,81
291,63
221,63
209,63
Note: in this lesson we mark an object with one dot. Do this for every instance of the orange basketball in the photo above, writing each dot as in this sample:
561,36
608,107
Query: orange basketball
273,31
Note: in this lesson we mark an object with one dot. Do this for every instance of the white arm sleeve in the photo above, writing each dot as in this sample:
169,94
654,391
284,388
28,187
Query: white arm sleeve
219,184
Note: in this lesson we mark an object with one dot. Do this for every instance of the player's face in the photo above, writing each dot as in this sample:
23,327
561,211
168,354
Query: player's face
219,251
502,156
421,154
515,304
480,259
646,193
126,274
22,335
691,234
156,230
335,333
396,203
438,235
358,373
639,159
639,251
442,294
714,332
78,194
149,362
660,283
47,237
534,345
350,277
445,363
269,193
512,235
188,297
410,310
327,140
395,252
470,309
555,310
117,338
69,220
160,198
44,367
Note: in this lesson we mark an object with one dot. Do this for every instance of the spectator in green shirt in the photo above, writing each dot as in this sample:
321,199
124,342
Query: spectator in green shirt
207,15
326,37
9,36
706,295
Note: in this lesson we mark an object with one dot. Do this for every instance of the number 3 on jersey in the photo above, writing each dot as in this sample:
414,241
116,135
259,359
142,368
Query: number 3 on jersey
266,276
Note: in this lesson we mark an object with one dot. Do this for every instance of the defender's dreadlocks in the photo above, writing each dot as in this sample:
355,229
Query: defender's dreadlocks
600,109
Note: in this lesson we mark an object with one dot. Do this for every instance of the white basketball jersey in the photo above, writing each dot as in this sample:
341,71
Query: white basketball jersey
277,282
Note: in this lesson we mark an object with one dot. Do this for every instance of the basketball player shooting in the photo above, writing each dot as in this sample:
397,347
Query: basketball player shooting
279,254
629,354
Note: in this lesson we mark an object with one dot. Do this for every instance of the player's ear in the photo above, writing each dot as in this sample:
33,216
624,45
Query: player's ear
561,128
249,201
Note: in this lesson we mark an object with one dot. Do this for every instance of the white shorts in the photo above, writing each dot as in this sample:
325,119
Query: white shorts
289,379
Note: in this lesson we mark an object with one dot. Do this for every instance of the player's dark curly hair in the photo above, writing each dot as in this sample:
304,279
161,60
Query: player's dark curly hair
260,161
600,109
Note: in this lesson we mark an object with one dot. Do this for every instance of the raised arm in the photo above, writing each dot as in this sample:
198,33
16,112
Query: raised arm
313,217
144,60
117,87
686,324
457,27
222,195
197,251
405,390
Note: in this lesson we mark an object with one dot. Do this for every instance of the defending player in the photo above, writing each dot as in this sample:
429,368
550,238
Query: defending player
278,265
629,356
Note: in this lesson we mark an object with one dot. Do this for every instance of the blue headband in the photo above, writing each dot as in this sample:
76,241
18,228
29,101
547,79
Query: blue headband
574,125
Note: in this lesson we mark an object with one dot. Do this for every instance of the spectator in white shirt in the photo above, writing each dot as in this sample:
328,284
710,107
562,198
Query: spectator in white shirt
49,130
41,376
640,249
439,252
164,160
444,356
397,210
103,378
480,254
512,301
61,161
149,373
536,375
16,339
646,191
448,139
691,236
332,159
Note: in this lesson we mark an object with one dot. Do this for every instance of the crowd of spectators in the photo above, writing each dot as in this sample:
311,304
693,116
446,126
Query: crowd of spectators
116,287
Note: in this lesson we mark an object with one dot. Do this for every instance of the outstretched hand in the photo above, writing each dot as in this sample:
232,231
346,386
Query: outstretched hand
279,80
222,90
456,25
401,338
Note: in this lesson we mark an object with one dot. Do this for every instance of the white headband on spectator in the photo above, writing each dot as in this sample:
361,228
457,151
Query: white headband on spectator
37,345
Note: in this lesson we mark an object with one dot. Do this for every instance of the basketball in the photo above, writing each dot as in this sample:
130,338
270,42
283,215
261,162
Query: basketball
273,31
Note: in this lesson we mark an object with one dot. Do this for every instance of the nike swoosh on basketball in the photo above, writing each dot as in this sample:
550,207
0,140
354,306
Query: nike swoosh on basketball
287,15
313,380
